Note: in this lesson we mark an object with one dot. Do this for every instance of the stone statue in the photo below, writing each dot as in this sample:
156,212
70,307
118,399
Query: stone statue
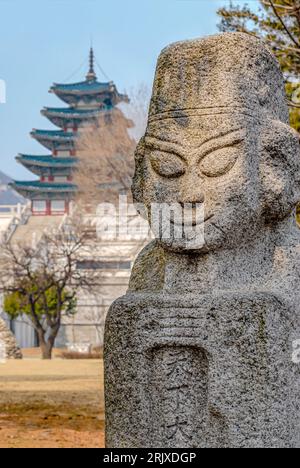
8,342
199,352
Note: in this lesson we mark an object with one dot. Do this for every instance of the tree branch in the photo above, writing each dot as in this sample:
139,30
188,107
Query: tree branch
272,5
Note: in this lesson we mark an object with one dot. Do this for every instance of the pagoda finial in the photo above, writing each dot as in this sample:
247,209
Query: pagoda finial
91,73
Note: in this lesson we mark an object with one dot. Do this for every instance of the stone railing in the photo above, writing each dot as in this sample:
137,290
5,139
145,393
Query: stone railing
9,210
19,215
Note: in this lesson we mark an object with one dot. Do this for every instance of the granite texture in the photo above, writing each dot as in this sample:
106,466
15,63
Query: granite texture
198,353
7,338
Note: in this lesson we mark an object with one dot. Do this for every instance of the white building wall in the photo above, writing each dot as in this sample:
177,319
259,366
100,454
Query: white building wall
87,325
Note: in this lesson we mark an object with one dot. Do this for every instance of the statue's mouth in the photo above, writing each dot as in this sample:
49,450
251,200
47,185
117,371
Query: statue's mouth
192,220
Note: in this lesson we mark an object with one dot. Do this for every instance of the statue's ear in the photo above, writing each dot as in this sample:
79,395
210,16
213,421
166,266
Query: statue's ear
138,179
279,170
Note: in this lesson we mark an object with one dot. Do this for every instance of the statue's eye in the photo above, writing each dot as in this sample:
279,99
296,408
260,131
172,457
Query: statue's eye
219,162
167,165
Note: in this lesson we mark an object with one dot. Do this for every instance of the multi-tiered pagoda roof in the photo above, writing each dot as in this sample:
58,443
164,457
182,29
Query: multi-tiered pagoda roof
55,140
73,116
47,165
87,100
87,92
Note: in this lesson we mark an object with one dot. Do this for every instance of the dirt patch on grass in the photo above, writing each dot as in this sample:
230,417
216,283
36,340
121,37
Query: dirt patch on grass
51,404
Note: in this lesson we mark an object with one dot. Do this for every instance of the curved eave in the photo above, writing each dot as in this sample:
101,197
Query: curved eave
48,161
64,119
54,139
53,135
72,97
46,187
37,190
50,166
83,87
71,114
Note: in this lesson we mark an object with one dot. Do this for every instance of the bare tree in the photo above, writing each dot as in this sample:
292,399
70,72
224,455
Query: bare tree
41,281
106,151
278,23
137,110
105,159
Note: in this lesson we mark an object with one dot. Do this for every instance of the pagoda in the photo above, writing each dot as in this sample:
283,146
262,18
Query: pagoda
52,193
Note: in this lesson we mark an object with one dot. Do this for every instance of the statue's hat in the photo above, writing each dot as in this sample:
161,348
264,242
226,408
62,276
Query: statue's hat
225,73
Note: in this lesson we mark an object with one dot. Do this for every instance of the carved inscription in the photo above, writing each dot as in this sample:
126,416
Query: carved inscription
179,380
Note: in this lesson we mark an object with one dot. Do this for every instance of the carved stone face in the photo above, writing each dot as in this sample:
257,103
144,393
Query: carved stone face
210,162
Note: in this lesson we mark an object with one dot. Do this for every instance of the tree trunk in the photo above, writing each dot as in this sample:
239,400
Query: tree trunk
46,349
46,346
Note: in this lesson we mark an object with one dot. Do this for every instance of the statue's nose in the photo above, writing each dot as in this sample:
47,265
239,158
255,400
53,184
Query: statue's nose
192,191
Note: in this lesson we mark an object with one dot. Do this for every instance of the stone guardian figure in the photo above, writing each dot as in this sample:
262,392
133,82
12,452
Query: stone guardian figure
199,352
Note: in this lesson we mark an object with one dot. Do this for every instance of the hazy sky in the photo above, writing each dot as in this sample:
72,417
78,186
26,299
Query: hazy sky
42,41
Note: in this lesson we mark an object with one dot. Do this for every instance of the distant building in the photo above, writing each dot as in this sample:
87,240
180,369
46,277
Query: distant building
50,198
52,193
